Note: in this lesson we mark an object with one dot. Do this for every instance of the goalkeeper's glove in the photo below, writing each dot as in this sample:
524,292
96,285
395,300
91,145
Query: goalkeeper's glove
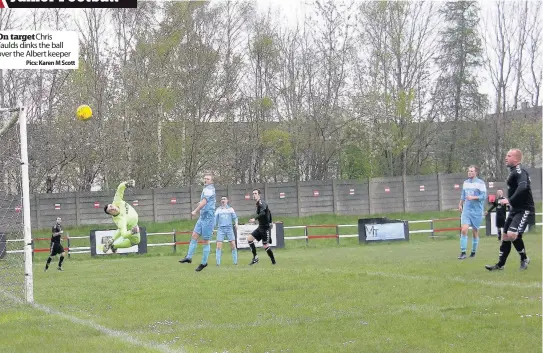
130,183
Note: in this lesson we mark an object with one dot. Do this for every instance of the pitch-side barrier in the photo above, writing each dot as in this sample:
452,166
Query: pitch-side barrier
86,249
434,231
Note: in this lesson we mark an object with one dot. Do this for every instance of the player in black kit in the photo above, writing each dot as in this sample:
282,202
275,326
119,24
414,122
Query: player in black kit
263,232
522,210
500,212
56,246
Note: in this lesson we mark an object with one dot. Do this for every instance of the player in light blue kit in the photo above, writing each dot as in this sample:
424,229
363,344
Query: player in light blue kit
205,224
224,216
472,207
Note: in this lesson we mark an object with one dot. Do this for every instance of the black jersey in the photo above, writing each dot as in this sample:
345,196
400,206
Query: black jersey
57,228
500,209
263,214
519,190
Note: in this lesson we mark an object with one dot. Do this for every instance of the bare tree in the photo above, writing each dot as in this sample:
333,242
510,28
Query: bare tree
328,94
533,84
522,36
259,91
515,26
399,38
236,18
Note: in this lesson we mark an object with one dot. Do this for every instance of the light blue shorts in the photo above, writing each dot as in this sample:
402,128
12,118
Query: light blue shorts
473,220
225,232
204,227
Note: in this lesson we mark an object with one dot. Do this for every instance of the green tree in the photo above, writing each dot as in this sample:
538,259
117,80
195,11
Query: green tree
394,98
460,56
278,148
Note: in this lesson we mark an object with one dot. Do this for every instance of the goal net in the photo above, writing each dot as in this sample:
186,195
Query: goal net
15,239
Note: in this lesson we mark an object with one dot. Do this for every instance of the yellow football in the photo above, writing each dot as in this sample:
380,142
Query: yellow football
84,112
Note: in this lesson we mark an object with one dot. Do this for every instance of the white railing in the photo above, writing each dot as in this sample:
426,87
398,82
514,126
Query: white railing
336,235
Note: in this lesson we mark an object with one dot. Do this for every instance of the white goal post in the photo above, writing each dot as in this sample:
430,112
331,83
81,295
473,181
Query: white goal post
11,154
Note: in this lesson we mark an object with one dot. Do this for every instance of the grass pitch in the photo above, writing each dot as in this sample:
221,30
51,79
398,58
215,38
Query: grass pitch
388,297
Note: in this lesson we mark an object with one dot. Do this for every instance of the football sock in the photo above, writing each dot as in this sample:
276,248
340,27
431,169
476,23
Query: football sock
192,248
207,250
270,253
463,242
519,245
60,261
505,249
218,256
48,262
253,248
235,256
474,244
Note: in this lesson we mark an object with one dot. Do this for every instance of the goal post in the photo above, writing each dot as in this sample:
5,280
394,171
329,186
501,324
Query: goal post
29,279
16,275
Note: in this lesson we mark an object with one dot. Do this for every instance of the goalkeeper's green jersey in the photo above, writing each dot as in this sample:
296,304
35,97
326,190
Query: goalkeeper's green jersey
127,217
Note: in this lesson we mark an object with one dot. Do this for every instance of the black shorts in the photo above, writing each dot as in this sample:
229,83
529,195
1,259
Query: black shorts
56,248
517,221
262,234
500,222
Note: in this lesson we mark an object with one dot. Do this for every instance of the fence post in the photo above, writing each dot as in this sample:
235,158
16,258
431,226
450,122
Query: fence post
298,198
306,236
37,201
439,193
337,234
190,200
334,196
155,206
404,187
32,246
174,242
432,228
77,211
370,204
68,242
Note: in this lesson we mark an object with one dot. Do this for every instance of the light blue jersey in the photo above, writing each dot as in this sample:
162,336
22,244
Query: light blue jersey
204,225
474,187
472,210
208,193
225,216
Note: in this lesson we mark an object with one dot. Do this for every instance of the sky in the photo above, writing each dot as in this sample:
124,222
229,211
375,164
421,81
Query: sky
292,13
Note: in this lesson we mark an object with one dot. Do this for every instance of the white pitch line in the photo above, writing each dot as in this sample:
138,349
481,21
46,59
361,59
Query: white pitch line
123,336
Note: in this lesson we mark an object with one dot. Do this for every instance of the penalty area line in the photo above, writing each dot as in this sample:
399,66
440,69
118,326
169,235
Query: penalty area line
123,336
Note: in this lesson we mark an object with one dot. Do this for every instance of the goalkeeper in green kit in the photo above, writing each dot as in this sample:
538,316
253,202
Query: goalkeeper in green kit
126,219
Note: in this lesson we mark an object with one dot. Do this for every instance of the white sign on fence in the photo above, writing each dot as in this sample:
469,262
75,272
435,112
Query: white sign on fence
101,236
245,230
385,231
